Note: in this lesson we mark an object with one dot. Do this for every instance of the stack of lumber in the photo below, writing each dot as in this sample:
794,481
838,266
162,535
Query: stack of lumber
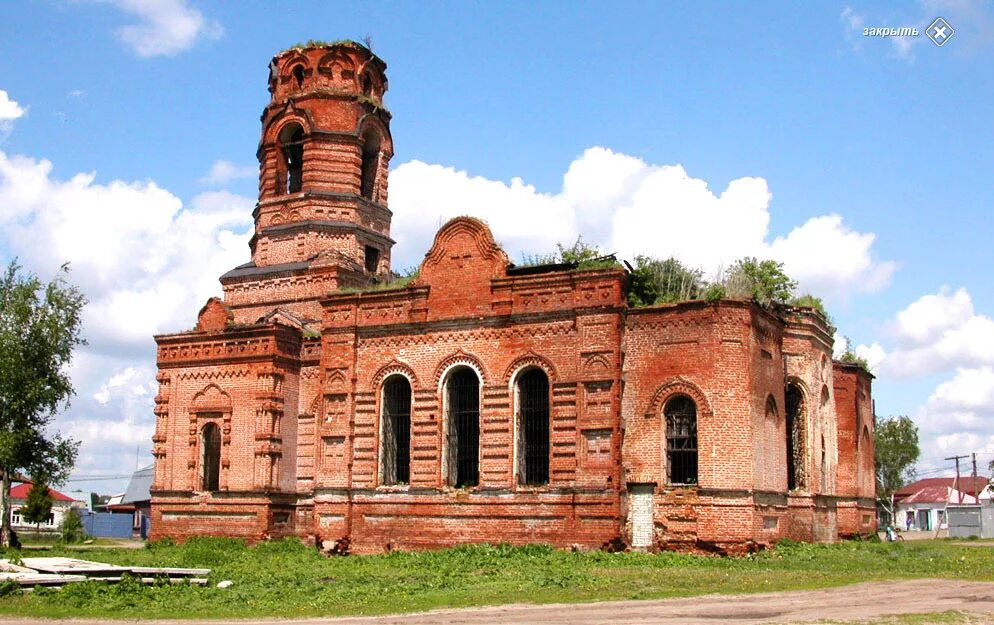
56,572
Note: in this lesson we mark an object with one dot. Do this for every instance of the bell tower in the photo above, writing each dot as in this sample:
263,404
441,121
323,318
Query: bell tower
323,160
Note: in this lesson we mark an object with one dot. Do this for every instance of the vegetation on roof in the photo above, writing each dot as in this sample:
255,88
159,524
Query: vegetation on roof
850,357
392,282
581,254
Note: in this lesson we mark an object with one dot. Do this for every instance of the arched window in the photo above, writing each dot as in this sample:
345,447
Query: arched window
210,457
292,149
395,445
462,395
370,164
795,437
298,75
533,427
681,440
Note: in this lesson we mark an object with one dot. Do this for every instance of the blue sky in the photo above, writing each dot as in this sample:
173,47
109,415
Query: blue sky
706,130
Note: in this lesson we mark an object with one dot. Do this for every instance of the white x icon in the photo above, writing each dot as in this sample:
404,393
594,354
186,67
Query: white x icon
940,31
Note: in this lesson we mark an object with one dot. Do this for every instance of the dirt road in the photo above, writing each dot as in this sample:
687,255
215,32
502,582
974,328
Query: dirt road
848,603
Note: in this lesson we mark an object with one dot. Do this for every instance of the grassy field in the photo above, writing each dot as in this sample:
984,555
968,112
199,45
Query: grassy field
288,579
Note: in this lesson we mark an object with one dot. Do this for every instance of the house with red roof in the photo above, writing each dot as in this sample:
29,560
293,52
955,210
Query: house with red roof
922,504
61,505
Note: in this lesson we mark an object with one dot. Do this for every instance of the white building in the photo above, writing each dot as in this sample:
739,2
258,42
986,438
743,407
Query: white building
922,505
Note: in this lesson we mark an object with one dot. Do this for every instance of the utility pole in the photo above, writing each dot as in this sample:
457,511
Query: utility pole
956,484
976,495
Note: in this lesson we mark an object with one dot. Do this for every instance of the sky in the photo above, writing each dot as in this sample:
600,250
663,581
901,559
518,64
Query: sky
706,131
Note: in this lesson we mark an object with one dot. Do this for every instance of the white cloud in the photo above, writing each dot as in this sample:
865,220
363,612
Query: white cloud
146,263
222,172
958,417
165,27
939,333
627,206
9,109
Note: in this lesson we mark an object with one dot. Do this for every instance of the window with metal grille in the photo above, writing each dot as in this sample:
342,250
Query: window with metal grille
292,146
795,437
395,447
463,403
210,457
681,440
533,427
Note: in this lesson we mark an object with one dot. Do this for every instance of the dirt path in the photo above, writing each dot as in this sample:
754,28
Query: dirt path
848,603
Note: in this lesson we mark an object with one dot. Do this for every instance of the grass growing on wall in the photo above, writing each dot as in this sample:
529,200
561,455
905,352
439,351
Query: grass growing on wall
288,579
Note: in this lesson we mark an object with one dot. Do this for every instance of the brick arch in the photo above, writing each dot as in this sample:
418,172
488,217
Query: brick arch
289,114
529,360
679,386
298,58
395,367
313,408
460,358
211,398
337,382
480,233
372,123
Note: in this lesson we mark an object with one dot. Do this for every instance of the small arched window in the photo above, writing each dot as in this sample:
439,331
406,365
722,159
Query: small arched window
210,457
395,444
462,395
370,164
298,75
795,437
292,150
681,440
533,427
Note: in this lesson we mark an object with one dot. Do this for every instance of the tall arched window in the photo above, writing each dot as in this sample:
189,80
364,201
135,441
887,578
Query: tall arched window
370,164
210,457
533,427
462,394
395,445
681,440
795,437
292,148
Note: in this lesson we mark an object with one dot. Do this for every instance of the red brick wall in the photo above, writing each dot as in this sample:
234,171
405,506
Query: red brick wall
291,369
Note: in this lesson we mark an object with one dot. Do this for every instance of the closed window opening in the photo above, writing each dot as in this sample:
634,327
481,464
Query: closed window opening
210,457
681,440
370,164
292,149
372,261
533,427
396,445
795,437
463,444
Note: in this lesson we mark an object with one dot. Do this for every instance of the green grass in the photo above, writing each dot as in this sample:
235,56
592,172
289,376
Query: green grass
288,579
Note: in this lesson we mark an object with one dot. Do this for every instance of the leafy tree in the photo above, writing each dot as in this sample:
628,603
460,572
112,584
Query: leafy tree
39,503
71,528
586,256
655,281
40,326
896,452
765,281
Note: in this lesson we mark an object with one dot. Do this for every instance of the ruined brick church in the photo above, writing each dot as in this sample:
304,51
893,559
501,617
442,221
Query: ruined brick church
481,401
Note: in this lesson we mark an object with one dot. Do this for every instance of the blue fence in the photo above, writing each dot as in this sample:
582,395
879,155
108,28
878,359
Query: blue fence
108,524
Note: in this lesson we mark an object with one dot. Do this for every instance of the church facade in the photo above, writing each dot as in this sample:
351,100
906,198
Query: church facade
480,402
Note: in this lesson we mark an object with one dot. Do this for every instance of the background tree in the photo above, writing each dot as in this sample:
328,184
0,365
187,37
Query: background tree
38,505
40,325
896,452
